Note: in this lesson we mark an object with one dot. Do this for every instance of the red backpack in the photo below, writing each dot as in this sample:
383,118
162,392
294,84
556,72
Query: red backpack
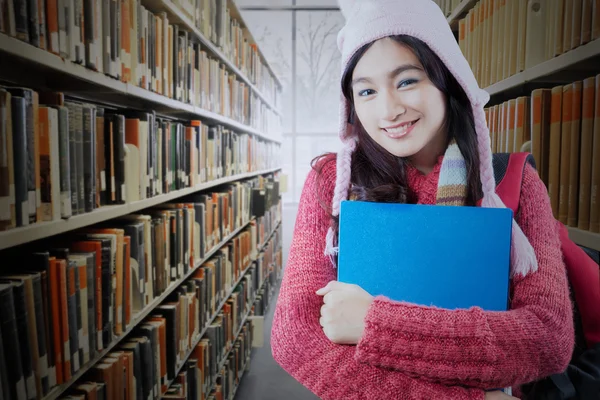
581,380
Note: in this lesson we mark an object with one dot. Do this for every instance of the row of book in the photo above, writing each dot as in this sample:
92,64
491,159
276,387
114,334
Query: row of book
126,41
501,38
179,350
562,124
83,290
62,158
217,21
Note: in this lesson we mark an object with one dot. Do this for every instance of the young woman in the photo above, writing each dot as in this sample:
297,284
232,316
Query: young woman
414,131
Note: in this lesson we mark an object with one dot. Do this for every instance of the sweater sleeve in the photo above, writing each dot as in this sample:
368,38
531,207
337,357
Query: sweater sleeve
297,340
532,340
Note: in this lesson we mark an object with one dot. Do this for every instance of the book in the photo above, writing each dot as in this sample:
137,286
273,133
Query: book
427,255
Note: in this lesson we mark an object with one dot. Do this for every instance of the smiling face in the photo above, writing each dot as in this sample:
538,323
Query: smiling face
397,104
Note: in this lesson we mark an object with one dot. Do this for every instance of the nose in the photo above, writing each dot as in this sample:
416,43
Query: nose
391,106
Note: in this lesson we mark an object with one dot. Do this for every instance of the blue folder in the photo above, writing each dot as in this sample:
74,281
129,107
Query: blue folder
442,256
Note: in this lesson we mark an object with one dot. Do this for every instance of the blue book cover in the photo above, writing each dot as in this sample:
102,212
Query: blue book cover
442,256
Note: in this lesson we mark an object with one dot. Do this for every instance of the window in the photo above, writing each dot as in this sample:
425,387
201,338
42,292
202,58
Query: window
301,47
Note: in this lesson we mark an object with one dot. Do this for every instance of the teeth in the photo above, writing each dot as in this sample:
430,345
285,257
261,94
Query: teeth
401,129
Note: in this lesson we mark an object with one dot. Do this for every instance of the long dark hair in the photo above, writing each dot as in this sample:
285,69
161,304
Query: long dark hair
379,176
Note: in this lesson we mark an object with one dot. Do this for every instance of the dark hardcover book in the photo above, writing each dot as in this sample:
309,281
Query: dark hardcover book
151,332
81,159
36,281
134,347
75,116
74,313
185,240
101,187
175,65
41,262
157,283
20,159
147,359
4,386
119,157
89,157
11,343
34,22
21,317
115,39
64,147
138,263
106,40
169,312
174,248
21,20
89,36
101,391
31,161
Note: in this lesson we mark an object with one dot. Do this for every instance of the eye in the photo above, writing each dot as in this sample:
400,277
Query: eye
366,92
406,82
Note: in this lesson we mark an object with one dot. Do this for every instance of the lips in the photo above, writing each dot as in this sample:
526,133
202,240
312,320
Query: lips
400,130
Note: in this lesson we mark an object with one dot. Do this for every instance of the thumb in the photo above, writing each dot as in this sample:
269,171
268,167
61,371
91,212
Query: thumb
326,289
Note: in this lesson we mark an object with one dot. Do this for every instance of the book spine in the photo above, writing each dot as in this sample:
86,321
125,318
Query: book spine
10,338
88,159
20,160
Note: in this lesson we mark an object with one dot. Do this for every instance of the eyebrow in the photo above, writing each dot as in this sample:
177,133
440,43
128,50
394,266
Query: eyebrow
394,73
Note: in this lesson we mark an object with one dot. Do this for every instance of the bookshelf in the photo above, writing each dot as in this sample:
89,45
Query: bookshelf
17,236
38,61
204,107
566,66
535,73
59,390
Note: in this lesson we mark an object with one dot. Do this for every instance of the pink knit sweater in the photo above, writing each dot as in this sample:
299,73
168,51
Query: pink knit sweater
414,352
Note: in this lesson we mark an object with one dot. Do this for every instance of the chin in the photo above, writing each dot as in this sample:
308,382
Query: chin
402,150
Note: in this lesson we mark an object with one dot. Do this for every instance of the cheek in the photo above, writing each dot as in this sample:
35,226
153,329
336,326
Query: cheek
367,115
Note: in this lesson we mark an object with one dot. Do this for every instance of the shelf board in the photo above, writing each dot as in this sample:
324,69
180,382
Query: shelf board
177,16
459,12
585,238
42,230
89,84
59,390
578,59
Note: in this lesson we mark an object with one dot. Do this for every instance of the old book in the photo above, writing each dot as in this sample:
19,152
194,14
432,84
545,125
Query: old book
555,142
11,342
50,163
8,216
574,158
89,156
565,154
595,186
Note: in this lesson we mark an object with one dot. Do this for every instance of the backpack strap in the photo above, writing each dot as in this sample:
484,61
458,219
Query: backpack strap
508,173
581,268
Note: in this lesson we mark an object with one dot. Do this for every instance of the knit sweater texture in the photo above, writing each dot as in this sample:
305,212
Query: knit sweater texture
414,352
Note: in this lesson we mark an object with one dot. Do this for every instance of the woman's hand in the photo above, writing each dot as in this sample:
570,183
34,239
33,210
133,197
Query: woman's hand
343,312
497,395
